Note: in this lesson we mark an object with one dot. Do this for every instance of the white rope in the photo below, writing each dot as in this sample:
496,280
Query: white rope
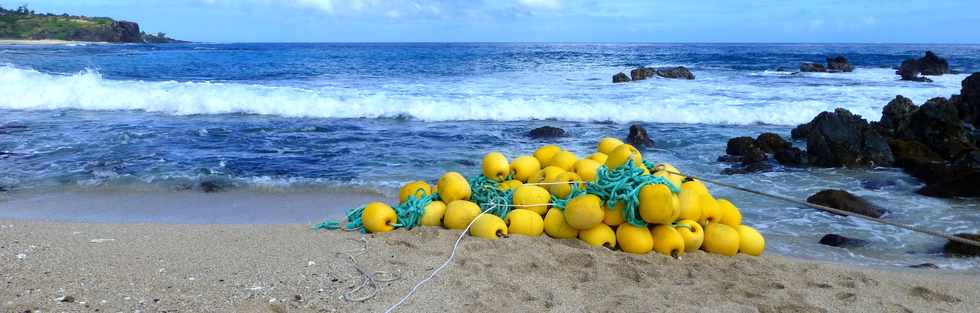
444,264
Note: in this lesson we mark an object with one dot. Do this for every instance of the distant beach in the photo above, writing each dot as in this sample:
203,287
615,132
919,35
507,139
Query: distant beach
43,42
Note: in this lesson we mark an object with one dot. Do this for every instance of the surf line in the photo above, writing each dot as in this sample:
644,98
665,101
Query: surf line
833,210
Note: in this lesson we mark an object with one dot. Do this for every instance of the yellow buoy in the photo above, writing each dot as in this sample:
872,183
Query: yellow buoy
690,202
418,188
692,232
488,226
600,235
698,186
525,222
608,144
584,212
721,239
710,213
556,227
564,160
532,198
562,190
432,216
619,156
378,217
598,157
460,213
510,184
546,153
667,241
634,239
587,169
524,167
677,180
613,216
495,166
453,186
750,241
657,204
546,174
729,213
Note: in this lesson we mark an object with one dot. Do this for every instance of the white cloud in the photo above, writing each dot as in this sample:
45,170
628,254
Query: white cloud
324,5
542,4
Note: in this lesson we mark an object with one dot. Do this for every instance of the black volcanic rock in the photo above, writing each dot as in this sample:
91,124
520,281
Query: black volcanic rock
772,143
620,78
812,67
961,249
790,157
930,64
678,72
547,132
909,70
835,240
638,137
839,64
843,200
841,138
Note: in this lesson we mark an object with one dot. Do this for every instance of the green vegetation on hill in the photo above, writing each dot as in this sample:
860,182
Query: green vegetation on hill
24,23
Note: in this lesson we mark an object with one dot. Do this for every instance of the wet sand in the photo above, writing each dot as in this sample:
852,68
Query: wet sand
290,268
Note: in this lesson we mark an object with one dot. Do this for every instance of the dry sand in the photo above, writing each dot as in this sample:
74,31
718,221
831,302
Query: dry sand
290,268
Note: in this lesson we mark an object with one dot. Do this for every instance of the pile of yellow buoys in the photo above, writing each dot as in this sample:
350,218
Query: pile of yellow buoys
549,192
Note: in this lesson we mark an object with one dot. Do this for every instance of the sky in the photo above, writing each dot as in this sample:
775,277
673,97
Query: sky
864,21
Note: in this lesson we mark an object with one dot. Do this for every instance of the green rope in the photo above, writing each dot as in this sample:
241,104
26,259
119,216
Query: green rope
409,214
486,193
623,185
561,203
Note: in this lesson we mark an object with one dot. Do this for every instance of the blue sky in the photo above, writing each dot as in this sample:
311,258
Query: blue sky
911,21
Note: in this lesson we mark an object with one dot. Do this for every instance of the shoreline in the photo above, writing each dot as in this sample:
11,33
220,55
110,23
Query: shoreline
288,267
44,42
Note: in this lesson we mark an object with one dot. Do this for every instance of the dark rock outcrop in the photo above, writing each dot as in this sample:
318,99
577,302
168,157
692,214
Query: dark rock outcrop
930,64
841,138
909,70
897,114
620,78
961,249
968,103
791,157
547,132
772,143
679,72
748,168
937,124
740,145
835,240
843,200
812,67
839,64
638,137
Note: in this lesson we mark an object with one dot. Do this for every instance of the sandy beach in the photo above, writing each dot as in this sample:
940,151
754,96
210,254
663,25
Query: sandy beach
73,267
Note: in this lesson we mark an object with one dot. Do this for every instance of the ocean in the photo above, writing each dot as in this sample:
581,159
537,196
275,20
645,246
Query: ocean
365,118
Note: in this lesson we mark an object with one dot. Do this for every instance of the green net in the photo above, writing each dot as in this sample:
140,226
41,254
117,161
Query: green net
623,185
486,193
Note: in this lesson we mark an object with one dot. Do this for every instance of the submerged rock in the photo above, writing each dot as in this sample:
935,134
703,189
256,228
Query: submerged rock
841,138
638,137
835,240
791,157
746,168
620,78
547,132
924,265
843,200
960,249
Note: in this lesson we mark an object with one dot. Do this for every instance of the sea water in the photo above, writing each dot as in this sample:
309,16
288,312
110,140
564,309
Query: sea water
280,118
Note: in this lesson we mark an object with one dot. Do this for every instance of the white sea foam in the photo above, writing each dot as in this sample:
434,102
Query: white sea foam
715,98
